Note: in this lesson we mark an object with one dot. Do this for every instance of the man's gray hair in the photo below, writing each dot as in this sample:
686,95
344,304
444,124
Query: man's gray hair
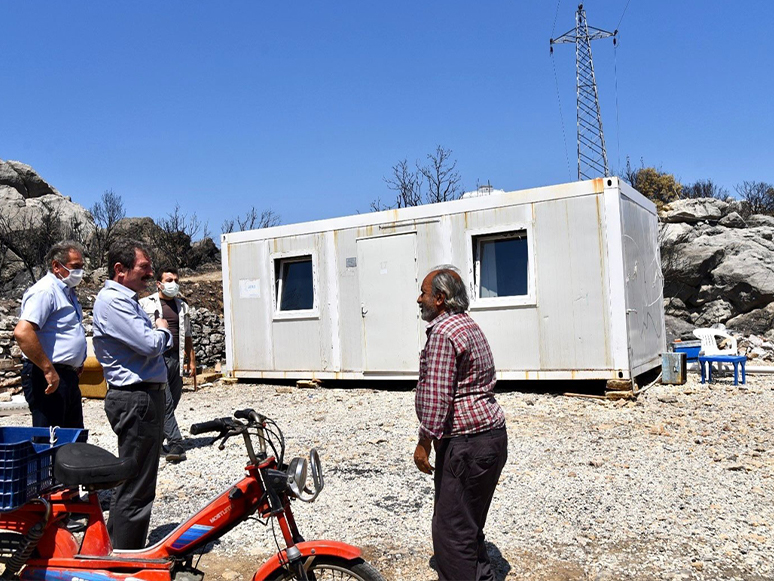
447,280
61,252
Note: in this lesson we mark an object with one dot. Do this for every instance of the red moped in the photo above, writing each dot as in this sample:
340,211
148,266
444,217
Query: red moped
60,535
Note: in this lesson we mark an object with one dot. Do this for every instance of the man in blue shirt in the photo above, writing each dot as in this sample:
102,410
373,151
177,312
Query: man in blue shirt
51,336
130,352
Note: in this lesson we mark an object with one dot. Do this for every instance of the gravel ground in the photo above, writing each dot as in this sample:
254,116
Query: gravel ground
677,485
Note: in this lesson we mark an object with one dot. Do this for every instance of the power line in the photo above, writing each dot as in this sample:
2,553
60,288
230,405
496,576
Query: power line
555,16
622,15
561,117
615,68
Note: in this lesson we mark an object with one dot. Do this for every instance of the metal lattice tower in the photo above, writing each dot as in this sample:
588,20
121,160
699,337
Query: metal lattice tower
592,156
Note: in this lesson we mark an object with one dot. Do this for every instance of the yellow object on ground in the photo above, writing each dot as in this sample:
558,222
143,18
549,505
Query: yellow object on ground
92,381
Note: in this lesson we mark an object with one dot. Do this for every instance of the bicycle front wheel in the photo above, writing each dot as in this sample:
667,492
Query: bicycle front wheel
325,569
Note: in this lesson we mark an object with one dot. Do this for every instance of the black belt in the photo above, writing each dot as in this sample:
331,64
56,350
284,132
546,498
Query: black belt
62,366
141,386
66,367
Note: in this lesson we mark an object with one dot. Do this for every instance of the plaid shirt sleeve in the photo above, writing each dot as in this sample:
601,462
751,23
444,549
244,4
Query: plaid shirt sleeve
435,389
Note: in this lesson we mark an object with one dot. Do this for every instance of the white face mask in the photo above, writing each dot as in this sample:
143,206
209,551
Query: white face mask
74,277
170,289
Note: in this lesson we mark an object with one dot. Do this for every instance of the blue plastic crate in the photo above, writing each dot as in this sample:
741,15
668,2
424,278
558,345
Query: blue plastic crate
690,348
27,461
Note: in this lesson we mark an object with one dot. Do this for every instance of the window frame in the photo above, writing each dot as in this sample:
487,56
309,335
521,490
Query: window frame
474,239
278,260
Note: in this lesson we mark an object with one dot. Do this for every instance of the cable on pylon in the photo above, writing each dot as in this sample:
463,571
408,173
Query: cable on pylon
561,116
615,69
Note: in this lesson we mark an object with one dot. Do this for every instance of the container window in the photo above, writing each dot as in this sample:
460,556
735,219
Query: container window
295,284
501,264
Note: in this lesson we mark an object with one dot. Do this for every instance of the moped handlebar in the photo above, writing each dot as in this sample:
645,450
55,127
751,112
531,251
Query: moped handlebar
248,414
219,425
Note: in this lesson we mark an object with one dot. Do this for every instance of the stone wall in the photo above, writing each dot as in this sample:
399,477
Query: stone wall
209,337
10,354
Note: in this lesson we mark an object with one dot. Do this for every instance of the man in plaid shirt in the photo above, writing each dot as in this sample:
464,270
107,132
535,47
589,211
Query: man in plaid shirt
459,416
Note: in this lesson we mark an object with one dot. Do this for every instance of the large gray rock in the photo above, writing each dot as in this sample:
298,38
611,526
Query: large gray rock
757,322
141,229
721,272
746,271
26,200
691,262
732,220
25,197
675,233
10,177
757,220
10,198
694,210
677,328
718,311
28,183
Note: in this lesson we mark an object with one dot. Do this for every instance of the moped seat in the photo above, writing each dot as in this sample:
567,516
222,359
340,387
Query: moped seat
92,467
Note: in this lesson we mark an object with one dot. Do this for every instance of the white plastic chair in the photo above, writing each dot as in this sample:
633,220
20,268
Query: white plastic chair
708,344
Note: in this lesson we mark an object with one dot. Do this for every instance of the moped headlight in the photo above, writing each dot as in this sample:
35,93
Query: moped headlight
297,476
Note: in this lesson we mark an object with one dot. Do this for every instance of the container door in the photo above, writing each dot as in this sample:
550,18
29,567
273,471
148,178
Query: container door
644,284
387,277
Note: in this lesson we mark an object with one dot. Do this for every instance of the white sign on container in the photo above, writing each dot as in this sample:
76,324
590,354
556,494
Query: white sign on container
249,289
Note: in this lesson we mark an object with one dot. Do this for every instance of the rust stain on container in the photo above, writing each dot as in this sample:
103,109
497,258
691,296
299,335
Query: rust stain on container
602,269
599,185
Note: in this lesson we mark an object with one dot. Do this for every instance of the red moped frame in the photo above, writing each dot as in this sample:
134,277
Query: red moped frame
60,556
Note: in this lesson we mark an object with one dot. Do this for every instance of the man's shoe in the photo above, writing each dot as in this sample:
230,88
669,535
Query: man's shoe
175,454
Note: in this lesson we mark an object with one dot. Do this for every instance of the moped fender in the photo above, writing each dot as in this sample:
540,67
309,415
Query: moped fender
309,548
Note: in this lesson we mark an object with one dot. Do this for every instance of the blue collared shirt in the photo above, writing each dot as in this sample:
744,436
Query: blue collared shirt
125,342
53,307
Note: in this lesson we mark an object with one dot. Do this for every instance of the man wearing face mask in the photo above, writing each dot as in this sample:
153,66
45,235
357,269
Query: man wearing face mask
167,305
51,336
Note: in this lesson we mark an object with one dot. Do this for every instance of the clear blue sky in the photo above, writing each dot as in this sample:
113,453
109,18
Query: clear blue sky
303,107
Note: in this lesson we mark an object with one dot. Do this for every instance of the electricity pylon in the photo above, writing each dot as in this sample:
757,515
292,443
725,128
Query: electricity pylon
592,156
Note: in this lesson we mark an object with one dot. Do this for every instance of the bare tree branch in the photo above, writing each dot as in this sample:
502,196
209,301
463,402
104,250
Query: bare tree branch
106,213
704,189
443,181
172,240
440,175
407,184
252,220
29,235
759,196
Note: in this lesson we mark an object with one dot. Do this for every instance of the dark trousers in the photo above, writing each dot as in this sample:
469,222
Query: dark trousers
174,391
63,407
137,419
466,472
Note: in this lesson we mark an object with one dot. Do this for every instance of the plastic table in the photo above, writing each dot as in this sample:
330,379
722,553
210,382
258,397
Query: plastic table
736,360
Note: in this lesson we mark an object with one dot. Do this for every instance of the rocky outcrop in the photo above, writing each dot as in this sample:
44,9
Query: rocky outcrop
23,193
718,267
25,180
30,207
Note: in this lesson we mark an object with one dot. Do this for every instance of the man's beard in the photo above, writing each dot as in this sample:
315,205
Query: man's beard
429,313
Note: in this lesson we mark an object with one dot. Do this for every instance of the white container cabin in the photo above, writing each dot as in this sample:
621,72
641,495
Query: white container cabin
564,280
